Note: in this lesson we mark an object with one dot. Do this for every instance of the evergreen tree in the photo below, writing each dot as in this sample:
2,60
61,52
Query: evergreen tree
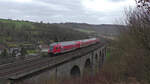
4,53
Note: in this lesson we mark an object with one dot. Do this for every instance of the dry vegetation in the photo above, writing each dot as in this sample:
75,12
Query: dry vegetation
130,53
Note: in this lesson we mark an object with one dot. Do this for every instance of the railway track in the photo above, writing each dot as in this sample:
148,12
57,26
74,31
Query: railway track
17,68
14,64
19,61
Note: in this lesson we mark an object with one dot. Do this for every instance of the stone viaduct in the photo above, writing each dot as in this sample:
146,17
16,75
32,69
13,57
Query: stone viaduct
88,63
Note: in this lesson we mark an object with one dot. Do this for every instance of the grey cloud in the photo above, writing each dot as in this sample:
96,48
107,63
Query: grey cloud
53,11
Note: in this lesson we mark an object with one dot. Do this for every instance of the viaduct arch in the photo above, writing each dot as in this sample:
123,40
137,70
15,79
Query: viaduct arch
75,71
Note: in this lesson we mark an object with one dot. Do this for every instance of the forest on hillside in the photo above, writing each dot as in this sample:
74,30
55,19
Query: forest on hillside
13,31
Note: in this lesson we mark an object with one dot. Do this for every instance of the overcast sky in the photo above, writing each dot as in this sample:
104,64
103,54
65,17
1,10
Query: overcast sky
56,11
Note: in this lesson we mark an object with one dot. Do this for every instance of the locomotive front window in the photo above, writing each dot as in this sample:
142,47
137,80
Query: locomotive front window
51,47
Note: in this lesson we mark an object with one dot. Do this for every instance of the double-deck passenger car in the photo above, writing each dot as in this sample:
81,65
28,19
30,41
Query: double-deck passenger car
61,47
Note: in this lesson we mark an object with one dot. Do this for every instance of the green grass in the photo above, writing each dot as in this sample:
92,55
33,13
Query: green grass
31,51
18,24
85,31
107,55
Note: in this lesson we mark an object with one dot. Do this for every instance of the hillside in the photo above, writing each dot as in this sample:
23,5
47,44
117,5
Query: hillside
31,32
103,29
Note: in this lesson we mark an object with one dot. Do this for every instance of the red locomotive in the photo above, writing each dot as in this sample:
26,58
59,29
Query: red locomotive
61,47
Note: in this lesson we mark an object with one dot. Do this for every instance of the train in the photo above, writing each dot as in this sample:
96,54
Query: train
62,47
